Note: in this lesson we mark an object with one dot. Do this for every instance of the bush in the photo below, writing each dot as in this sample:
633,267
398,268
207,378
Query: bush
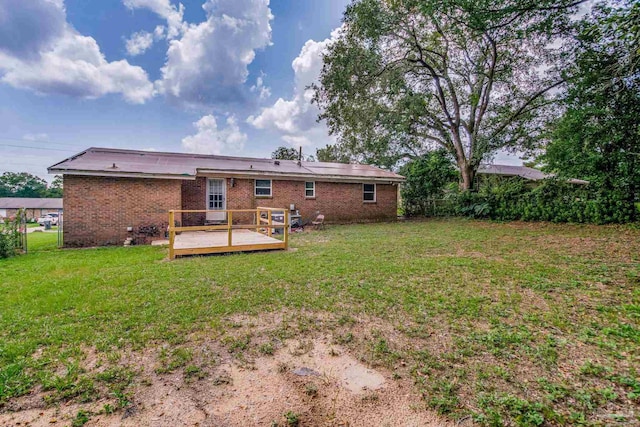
549,200
10,235
427,178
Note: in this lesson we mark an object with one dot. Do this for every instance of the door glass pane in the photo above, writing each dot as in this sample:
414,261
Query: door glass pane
216,194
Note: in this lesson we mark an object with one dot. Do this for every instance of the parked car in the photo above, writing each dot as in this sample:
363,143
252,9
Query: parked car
52,217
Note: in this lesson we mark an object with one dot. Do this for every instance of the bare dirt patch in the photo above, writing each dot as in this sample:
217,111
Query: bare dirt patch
310,379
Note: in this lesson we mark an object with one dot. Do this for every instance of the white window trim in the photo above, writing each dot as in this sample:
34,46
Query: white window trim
255,188
306,189
375,193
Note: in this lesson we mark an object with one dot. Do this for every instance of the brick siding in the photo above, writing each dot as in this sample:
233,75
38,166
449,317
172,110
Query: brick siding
338,202
194,195
98,210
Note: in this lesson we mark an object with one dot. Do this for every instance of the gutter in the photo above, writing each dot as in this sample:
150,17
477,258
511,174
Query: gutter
315,177
51,170
235,174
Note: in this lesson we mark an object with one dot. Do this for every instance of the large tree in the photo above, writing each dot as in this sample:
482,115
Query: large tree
471,76
22,184
598,136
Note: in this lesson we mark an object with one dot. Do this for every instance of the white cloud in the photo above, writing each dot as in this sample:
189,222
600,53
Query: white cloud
297,141
213,140
69,63
138,43
159,32
263,91
208,64
27,27
296,118
163,8
35,137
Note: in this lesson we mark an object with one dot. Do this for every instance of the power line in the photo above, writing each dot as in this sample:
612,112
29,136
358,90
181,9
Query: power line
38,148
43,141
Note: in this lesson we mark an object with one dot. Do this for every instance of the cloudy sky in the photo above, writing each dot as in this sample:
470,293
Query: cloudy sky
205,76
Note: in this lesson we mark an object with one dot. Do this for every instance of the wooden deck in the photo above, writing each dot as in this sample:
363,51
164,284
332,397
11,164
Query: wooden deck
229,237
204,242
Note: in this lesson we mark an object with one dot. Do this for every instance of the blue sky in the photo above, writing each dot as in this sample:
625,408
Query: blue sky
207,76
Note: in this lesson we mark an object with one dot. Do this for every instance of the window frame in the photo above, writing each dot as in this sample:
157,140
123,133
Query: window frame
255,188
374,192
313,189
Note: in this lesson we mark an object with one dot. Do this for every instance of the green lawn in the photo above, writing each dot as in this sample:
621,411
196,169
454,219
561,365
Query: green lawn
507,323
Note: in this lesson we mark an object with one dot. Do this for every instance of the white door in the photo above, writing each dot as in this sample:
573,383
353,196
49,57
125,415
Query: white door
216,199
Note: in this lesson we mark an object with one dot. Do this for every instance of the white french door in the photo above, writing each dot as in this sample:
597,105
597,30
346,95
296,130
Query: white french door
216,199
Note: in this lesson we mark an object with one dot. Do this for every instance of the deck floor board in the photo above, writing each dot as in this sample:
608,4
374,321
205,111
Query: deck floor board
211,239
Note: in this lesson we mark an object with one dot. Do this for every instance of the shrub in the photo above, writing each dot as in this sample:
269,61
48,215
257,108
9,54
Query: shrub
549,200
10,235
427,178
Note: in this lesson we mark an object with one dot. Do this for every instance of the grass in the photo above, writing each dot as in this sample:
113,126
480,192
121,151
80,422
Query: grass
38,242
513,323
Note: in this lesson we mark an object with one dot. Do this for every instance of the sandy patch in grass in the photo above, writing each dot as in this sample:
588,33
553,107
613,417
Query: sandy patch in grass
338,390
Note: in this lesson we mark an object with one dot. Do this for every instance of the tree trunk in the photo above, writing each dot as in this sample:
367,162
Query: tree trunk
468,174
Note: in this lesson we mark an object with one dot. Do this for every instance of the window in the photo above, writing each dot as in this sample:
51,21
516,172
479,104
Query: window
310,189
369,192
263,187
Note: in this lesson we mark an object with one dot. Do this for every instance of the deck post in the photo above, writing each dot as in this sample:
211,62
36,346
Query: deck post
286,229
230,225
269,230
172,234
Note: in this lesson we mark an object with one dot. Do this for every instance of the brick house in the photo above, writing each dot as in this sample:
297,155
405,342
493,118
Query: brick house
109,194
34,207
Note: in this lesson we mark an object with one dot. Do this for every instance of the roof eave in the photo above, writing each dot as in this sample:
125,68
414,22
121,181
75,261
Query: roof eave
315,177
117,174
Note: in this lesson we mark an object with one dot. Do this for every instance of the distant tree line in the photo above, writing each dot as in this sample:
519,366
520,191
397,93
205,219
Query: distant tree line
24,184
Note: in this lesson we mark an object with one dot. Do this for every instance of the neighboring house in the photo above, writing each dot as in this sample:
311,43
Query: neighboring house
35,207
525,172
109,191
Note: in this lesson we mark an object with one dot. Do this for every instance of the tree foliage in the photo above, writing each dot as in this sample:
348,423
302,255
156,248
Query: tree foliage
598,137
405,76
332,153
285,153
22,184
554,200
427,177
55,189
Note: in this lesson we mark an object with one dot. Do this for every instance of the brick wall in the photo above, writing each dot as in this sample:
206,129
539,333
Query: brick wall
98,210
338,202
194,195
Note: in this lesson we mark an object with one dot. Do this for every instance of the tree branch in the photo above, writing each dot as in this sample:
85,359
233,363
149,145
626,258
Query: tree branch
523,108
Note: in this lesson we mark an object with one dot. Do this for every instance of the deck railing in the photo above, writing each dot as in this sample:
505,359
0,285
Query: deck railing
264,225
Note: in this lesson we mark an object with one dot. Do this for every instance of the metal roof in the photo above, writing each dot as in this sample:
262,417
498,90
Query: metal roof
154,164
30,203
508,170
522,171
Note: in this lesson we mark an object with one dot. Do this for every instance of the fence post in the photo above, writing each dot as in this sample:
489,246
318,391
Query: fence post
172,234
230,225
269,231
286,229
